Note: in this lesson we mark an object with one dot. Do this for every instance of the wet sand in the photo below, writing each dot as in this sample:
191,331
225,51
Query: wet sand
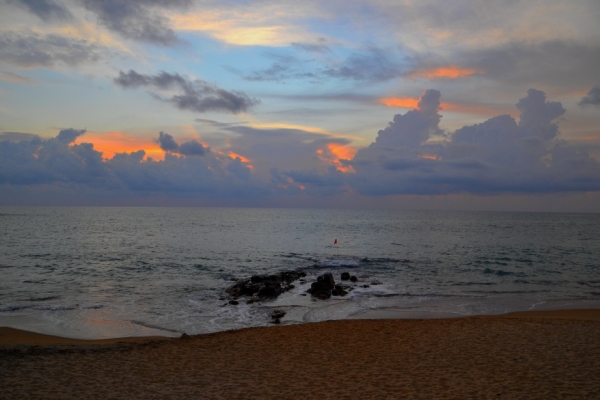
533,355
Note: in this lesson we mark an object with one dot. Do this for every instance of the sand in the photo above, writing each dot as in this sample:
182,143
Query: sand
542,355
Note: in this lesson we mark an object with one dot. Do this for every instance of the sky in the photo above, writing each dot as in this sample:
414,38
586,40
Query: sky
378,104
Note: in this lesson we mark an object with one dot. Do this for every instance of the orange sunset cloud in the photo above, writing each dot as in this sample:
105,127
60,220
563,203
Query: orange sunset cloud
111,143
450,72
402,102
334,152
243,159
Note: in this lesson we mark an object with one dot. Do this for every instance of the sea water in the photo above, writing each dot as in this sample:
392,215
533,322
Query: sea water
111,272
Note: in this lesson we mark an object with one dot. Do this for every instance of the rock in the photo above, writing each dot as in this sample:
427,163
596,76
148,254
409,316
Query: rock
270,290
234,302
264,287
276,321
328,277
365,286
345,276
341,290
258,278
252,288
353,278
323,286
184,336
277,314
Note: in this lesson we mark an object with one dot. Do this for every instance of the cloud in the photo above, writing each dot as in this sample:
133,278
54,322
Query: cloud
69,135
592,98
8,76
448,72
33,50
550,63
374,65
46,10
59,162
499,155
416,126
277,72
138,19
196,95
189,148
315,48
17,136
371,65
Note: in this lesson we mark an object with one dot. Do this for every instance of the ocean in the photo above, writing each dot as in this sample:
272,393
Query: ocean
97,272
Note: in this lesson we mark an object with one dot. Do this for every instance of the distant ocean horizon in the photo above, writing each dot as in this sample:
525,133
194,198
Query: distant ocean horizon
99,272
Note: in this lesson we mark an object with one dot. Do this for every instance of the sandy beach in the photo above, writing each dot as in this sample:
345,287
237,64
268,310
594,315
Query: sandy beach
547,354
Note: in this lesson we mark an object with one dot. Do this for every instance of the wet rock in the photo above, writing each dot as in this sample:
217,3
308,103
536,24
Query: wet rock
328,278
323,286
234,302
365,286
258,278
277,314
276,321
264,287
345,276
341,290
184,336
353,278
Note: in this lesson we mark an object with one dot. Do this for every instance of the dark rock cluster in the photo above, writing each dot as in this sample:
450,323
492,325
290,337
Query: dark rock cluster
346,276
264,287
325,287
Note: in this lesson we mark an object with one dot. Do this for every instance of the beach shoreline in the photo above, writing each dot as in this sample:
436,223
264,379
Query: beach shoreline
536,354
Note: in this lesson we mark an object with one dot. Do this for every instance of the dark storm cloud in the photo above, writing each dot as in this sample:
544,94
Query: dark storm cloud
290,158
592,98
33,50
416,126
189,148
59,162
45,9
138,19
69,135
39,161
331,178
196,95
499,155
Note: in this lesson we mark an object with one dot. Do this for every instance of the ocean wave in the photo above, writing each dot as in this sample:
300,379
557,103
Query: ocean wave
337,263
37,308
152,326
500,272
44,298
